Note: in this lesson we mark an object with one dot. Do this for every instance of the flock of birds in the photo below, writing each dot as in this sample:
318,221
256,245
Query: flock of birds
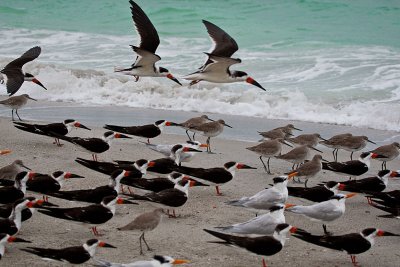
264,235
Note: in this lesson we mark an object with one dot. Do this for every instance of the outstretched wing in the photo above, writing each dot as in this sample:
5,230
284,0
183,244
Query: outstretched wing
220,64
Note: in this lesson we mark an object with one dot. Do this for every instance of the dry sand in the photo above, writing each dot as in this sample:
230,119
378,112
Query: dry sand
183,237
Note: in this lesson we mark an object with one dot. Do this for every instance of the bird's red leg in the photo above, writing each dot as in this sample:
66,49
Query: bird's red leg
264,263
369,200
218,192
122,189
353,260
130,192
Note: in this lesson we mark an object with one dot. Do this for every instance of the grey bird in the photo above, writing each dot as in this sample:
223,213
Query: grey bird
297,155
14,73
268,149
15,103
308,169
10,171
280,132
145,222
306,139
192,122
355,143
389,152
335,142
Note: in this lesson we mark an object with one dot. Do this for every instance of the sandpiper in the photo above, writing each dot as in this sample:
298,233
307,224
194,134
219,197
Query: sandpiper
15,103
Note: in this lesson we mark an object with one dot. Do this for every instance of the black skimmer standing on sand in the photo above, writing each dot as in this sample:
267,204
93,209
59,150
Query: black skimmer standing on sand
386,201
353,244
387,153
93,145
394,211
94,214
73,255
6,238
9,194
15,103
267,198
326,211
7,209
62,128
144,64
5,152
157,261
280,132
192,122
260,245
297,155
14,73
147,131
309,169
216,69
10,171
214,176
268,149
306,139
184,157
317,193
145,222
335,142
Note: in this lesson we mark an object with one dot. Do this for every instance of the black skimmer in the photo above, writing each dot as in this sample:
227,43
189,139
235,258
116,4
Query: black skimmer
157,261
93,145
335,142
7,209
326,211
9,194
318,193
15,103
214,176
268,149
183,157
352,167
309,169
355,143
387,153
280,132
94,195
14,73
306,139
147,131
216,69
391,198
394,211
145,222
267,198
62,128
5,151
93,214
45,183
353,244
144,64
73,255
260,245
10,171
6,238
297,155
192,122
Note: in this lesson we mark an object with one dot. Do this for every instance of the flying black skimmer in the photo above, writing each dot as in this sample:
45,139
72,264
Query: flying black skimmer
355,143
297,155
214,176
145,222
306,139
10,171
62,128
14,73
94,195
326,211
6,238
94,214
387,153
260,245
147,131
5,151
268,149
157,261
280,132
7,209
93,145
73,255
183,157
309,169
216,69
318,193
15,103
353,244
9,194
335,142
267,198
352,167
192,122
144,64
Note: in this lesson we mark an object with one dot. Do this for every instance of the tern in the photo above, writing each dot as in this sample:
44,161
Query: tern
157,261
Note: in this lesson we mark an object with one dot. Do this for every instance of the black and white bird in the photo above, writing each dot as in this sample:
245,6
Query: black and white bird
7,209
216,68
317,193
183,157
157,261
144,64
6,238
9,194
15,76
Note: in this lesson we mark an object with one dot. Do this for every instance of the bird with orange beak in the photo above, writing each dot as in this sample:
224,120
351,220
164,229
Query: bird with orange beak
157,261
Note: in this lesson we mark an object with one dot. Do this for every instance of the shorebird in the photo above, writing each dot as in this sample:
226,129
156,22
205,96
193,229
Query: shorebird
297,155
309,169
9,194
391,198
6,238
26,213
280,132
306,139
93,214
326,211
144,65
10,171
157,261
210,129
147,131
393,210
260,245
387,153
335,142
216,68
317,193
184,156
355,143
14,73
93,145
145,222
5,152
268,149
15,103
73,255
62,128
353,244
192,122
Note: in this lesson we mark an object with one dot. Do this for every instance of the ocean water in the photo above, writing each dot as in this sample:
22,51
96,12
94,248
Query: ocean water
321,61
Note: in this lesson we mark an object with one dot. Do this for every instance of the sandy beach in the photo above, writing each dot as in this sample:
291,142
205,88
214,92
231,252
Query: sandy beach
183,237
